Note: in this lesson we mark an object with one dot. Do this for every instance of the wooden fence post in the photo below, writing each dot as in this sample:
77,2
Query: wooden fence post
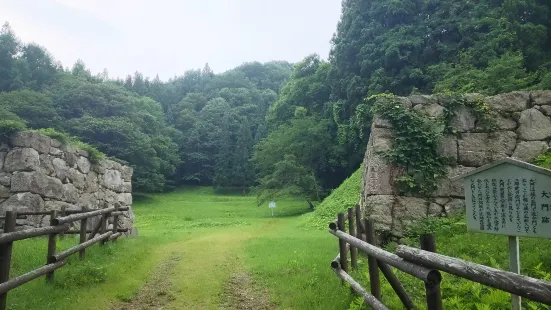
103,227
5,255
51,246
359,230
374,279
115,222
434,297
342,243
62,213
352,232
83,229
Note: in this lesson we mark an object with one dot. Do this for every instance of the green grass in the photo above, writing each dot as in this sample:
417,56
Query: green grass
215,235
210,237
345,196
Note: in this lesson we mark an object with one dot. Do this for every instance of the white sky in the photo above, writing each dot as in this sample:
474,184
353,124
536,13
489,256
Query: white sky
168,37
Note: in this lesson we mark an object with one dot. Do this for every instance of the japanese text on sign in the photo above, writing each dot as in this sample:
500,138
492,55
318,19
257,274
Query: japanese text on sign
509,200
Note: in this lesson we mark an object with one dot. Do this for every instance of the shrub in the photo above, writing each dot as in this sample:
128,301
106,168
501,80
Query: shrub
9,126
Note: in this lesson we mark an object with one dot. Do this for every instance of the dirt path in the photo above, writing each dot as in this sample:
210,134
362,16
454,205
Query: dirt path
203,272
241,293
156,293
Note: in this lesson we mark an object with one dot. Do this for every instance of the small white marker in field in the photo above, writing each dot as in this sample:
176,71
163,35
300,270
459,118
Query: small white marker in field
272,206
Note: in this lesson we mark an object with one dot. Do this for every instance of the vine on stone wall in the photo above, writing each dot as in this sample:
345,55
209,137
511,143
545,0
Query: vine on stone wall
416,139
481,110
414,148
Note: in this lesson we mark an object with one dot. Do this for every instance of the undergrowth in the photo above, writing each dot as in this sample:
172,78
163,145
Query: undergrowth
95,155
345,196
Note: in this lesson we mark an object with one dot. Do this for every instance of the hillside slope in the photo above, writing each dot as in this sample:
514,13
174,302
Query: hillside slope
344,197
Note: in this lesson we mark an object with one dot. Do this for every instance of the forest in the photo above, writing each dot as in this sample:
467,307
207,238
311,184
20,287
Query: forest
281,128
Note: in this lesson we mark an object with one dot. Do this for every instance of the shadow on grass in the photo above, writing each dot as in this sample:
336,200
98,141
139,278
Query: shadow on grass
142,198
292,213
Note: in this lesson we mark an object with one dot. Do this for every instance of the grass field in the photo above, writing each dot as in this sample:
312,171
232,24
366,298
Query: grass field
199,250
191,243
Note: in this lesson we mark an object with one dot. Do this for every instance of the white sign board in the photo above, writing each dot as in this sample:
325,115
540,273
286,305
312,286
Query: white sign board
509,199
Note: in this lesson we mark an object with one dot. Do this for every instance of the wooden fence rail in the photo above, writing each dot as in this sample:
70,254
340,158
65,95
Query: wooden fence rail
59,225
424,264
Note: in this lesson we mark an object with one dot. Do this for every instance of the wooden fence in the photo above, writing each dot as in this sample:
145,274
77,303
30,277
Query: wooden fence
59,225
424,264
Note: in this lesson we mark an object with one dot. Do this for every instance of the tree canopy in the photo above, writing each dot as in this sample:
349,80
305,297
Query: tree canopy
286,129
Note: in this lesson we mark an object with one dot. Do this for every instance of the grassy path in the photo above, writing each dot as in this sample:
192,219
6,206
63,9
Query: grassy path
195,250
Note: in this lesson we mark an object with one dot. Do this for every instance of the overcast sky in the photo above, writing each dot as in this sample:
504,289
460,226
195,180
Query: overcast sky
168,37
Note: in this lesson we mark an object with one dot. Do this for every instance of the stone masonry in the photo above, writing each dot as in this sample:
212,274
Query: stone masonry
523,132
38,173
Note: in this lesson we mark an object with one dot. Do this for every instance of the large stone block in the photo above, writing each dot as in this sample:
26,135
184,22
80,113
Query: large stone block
46,165
409,210
430,110
2,158
23,202
78,179
545,109
126,173
448,148
5,192
509,102
70,193
541,97
5,179
379,179
55,151
22,159
55,143
126,187
464,119
37,183
30,139
61,168
455,207
379,207
125,199
449,188
71,159
88,200
112,180
57,205
83,164
423,99
505,122
529,150
379,122
533,125
478,149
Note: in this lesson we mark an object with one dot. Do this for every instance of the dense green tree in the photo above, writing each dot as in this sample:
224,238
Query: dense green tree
9,47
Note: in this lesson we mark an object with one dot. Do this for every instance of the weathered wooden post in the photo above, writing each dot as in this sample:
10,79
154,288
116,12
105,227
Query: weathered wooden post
62,213
5,255
83,229
342,243
434,297
352,232
51,247
359,230
115,222
103,227
374,279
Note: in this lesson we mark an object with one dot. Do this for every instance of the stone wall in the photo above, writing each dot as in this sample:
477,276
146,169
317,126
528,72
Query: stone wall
523,132
38,173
